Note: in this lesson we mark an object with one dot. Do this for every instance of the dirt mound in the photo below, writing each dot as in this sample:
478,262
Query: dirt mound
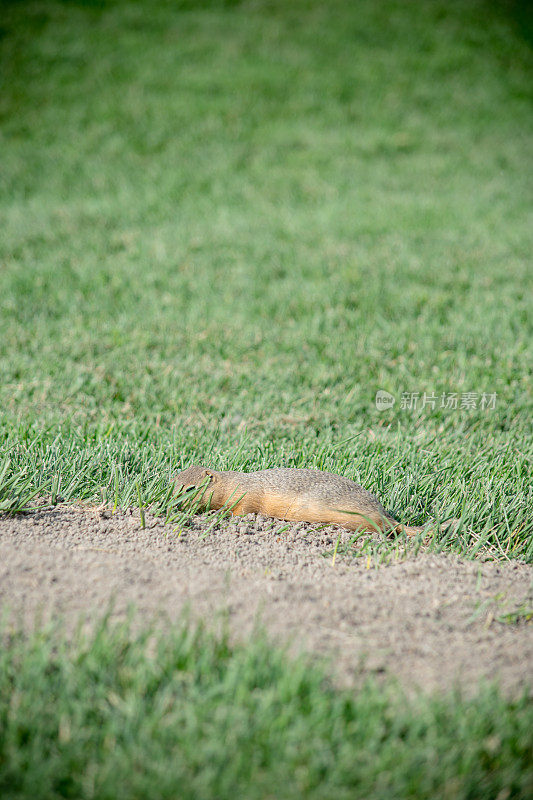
430,620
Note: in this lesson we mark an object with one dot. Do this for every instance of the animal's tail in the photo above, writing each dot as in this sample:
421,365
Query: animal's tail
412,530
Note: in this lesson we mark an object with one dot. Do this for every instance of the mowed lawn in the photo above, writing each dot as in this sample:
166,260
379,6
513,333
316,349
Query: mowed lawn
225,226
185,716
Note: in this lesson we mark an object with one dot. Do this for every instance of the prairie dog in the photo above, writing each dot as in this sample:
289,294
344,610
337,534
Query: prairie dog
308,495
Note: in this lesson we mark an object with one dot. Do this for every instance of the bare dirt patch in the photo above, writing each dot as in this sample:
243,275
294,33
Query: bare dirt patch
431,621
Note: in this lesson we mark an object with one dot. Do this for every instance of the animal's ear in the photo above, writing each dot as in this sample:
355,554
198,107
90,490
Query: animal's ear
207,473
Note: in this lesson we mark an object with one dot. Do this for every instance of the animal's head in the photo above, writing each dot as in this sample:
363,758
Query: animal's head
195,484
194,477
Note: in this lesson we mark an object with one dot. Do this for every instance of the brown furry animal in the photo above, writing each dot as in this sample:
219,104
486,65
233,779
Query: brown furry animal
308,495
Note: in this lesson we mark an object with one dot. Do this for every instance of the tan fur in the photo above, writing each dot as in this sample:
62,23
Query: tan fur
292,494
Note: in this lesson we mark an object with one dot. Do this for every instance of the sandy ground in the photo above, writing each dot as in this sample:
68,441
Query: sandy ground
431,621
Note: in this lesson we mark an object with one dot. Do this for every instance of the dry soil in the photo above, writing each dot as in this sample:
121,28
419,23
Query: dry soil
431,621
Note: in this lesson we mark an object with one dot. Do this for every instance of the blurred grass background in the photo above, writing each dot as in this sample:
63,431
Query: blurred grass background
183,714
225,225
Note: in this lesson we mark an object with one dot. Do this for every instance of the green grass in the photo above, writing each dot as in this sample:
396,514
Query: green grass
185,714
225,226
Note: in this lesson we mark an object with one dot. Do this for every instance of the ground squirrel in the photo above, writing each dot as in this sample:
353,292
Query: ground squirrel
307,495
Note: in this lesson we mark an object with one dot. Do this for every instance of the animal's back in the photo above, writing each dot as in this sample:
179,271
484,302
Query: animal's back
292,494
313,482
315,495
